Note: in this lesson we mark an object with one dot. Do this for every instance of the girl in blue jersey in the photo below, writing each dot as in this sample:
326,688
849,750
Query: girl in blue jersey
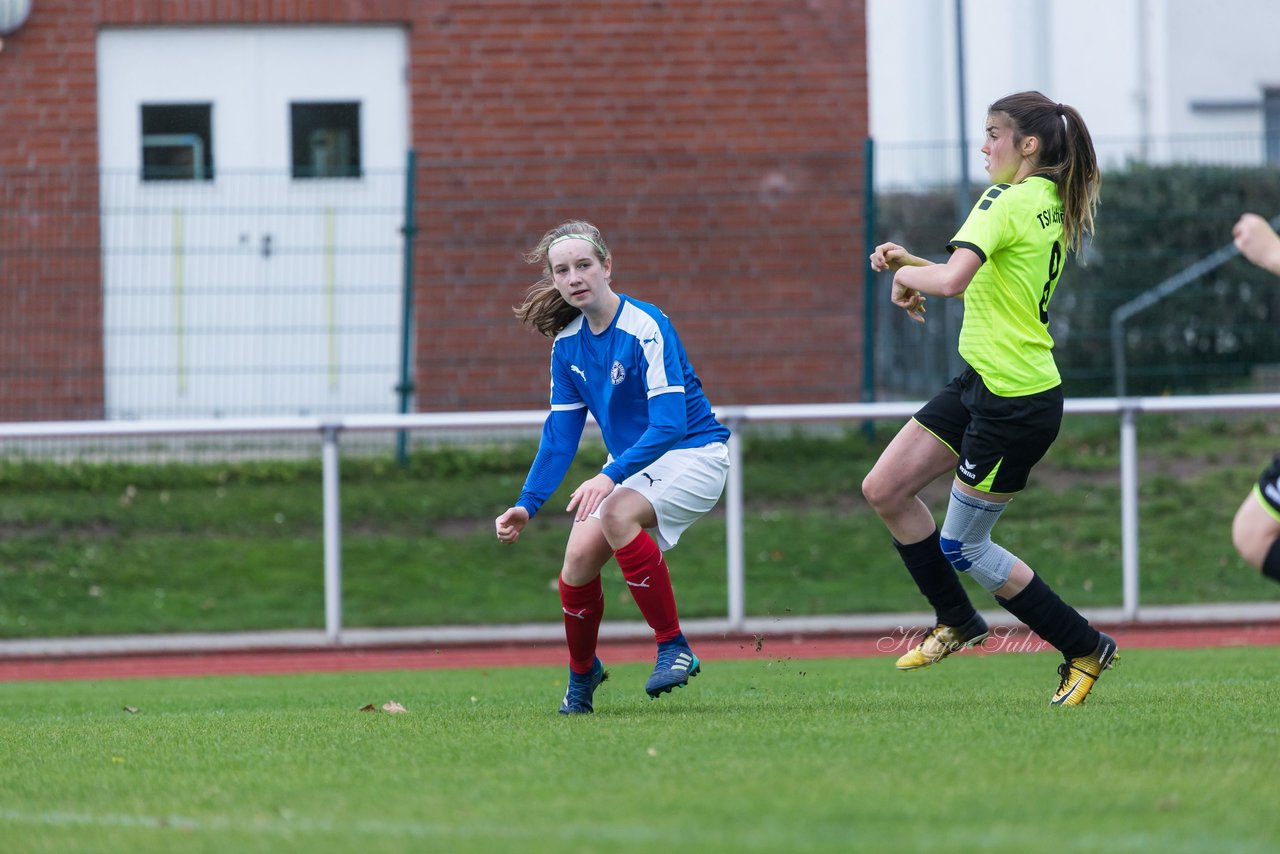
619,359
999,417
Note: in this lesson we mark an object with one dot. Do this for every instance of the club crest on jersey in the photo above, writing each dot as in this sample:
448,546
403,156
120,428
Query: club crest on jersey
617,373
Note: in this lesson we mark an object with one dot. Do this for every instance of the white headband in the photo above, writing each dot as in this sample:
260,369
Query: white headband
587,237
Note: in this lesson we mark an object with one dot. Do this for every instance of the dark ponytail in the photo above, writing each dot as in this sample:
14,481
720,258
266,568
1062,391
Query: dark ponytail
1066,156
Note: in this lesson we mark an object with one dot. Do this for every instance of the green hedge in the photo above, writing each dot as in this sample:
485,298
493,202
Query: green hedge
1153,223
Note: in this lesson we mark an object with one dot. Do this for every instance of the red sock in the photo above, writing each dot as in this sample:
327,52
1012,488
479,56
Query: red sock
645,572
583,610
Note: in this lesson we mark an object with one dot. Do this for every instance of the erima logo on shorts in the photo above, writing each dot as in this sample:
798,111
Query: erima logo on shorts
1272,492
966,469
617,373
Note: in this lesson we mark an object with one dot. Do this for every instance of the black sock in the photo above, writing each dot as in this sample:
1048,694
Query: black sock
1271,563
1055,621
937,580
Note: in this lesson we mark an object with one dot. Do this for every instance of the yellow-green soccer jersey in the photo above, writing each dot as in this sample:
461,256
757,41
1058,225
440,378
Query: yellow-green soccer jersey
1016,229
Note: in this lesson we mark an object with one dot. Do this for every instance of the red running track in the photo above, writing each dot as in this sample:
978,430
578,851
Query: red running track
785,646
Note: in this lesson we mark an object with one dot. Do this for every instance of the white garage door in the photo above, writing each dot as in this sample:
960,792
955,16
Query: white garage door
252,201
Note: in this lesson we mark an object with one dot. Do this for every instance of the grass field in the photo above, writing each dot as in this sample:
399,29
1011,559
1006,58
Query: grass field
1175,752
94,549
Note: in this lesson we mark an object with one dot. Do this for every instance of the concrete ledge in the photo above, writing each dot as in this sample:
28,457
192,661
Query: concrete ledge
553,633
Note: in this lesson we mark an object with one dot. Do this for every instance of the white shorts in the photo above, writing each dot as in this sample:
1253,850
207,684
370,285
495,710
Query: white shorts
682,485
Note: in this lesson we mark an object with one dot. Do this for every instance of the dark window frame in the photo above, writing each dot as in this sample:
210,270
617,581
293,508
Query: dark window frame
176,142
324,140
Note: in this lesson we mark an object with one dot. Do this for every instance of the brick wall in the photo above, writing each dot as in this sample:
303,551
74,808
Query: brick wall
717,144
50,277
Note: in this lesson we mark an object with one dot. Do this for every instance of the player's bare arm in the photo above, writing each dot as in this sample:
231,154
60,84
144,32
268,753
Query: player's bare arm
587,497
511,523
892,257
941,280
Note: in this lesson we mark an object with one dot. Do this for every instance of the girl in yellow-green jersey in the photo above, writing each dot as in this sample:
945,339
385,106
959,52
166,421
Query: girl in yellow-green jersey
994,421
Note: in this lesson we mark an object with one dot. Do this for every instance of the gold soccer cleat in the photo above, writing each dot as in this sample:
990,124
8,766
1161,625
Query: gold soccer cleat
1079,674
942,640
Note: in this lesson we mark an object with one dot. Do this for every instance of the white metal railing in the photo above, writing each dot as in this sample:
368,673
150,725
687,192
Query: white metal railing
330,429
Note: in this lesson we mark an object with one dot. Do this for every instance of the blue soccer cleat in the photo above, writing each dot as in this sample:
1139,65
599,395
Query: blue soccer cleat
676,663
582,687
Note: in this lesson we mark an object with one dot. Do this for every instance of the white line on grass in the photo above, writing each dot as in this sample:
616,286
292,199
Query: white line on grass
263,824
286,825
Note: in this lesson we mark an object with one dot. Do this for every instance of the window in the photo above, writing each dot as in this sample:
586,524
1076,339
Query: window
177,142
326,140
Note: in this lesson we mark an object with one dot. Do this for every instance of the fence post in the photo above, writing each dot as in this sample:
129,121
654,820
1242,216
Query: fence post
405,388
869,283
963,202
733,531
1129,507
332,535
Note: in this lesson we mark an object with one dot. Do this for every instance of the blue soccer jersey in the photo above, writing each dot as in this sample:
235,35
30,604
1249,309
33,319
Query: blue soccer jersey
636,380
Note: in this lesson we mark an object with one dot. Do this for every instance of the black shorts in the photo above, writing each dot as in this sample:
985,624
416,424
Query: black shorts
997,439
1268,490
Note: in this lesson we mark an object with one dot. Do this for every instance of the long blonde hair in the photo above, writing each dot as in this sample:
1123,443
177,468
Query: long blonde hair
543,307
1066,156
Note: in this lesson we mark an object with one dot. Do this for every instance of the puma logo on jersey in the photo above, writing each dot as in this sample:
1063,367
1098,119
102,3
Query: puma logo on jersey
648,340
652,480
579,372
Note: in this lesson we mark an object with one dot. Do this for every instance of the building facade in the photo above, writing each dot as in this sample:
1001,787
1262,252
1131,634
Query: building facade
178,180
1159,81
